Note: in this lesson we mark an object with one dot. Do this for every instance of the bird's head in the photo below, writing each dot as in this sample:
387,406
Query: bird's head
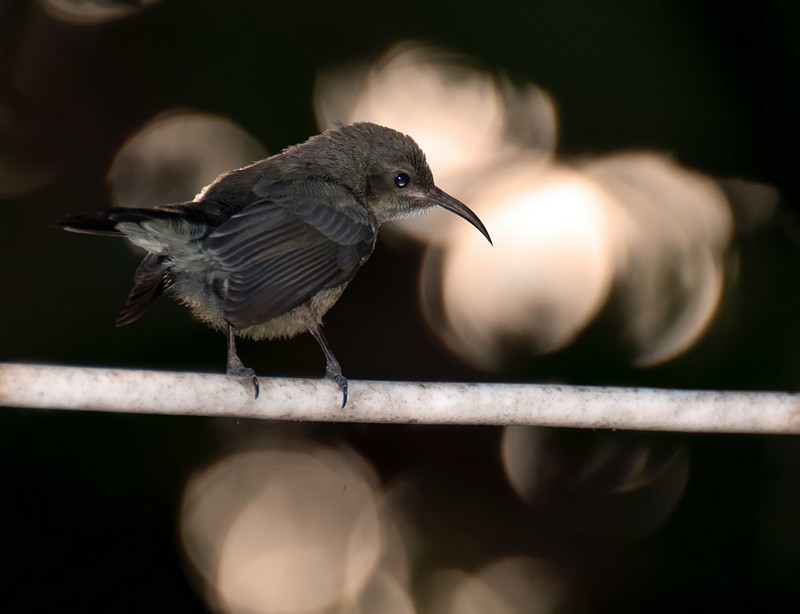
388,170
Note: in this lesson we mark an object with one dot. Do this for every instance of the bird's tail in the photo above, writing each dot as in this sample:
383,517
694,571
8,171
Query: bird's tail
150,281
98,223
152,277
105,222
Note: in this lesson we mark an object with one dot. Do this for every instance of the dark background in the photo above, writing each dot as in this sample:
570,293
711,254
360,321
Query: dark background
88,502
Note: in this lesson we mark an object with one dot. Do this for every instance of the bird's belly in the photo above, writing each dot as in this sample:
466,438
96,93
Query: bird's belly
207,305
287,325
296,320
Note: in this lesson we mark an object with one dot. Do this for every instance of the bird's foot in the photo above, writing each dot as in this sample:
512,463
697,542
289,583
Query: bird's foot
240,371
340,380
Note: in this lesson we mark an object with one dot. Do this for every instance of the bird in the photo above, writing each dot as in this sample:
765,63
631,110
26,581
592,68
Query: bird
264,251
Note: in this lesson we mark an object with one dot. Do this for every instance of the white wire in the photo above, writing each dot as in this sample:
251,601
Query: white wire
158,392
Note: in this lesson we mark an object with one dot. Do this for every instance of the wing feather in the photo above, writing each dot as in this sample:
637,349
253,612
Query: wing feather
296,240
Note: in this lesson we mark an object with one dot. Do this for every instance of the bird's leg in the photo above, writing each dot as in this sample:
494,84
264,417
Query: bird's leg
332,368
235,366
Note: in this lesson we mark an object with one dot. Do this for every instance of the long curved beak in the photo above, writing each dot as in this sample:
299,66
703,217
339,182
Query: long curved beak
445,201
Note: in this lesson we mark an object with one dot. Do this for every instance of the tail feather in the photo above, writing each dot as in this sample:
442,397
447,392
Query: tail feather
152,278
150,281
105,222
99,223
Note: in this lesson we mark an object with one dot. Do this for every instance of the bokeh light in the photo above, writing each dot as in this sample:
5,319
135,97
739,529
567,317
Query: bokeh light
635,164
288,528
93,12
173,156
671,252
617,485
633,234
466,120
511,585
547,275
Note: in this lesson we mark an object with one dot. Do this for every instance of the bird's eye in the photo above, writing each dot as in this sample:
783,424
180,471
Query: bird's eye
401,180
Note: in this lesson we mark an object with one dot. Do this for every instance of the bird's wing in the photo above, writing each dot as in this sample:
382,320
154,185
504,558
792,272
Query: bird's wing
299,239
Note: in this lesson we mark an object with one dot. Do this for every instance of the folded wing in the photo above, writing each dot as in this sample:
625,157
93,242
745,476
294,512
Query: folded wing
300,238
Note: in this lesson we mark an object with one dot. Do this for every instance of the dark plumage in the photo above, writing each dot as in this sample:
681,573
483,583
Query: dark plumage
264,251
